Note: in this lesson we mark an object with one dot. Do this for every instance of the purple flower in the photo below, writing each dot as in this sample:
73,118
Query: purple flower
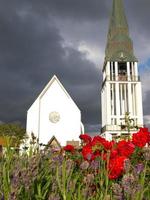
130,185
94,165
138,168
58,159
117,191
2,198
127,165
84,165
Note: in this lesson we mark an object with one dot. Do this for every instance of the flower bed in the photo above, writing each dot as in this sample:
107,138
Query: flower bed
99,170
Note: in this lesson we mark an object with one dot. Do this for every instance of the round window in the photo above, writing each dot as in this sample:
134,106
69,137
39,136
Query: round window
54,117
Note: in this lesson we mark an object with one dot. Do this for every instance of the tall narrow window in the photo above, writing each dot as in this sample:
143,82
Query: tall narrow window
113,99
133,93
120,98
127,99
113,71
115,109
123,98
130,69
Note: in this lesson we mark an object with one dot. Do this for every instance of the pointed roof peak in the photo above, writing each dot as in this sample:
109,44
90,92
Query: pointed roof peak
52,80
118,39
54,77
118,18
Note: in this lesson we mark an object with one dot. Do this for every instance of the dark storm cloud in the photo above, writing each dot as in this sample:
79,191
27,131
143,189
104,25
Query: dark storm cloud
138,13
32,50
146,108
73,9
70,9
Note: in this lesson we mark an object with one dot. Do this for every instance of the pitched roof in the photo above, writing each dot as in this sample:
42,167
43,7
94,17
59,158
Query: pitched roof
54,142
53,79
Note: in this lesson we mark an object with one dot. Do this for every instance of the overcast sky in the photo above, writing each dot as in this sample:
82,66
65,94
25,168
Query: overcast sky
40,38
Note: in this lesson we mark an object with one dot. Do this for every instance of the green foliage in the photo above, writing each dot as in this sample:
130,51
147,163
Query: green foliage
12,129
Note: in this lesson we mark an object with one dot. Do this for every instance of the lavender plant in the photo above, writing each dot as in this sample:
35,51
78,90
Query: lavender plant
54,175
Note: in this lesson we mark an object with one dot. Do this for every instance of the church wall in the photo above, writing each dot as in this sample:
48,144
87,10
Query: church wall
68,127
33,118
139,103
103,108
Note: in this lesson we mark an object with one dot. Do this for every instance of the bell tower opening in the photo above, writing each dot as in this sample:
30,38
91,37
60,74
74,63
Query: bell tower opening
122,71
122,68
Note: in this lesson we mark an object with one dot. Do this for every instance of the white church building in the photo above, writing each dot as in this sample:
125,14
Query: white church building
54,113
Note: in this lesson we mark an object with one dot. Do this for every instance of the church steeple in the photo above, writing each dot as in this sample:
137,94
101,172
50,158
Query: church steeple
119,45
121,87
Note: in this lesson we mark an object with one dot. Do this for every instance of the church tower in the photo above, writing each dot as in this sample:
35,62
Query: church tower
121,88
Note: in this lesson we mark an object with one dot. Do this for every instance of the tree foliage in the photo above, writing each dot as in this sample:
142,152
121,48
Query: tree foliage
12,129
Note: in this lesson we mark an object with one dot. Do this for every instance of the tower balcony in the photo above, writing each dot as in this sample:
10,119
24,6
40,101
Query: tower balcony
116,128
121,78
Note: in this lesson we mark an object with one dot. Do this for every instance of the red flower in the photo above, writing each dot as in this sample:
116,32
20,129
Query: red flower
87,152
125,148
116,167
69,148
113,153
104,156
144,129
108,145
98,140
86,138
148,138
95,155
141,138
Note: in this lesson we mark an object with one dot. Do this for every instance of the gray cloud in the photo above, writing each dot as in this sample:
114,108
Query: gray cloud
73,9
29,58
34,38
146,108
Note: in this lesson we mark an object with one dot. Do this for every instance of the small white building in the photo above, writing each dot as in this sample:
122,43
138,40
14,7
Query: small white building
54,113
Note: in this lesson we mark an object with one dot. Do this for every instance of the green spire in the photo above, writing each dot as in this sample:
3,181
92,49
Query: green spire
119,45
